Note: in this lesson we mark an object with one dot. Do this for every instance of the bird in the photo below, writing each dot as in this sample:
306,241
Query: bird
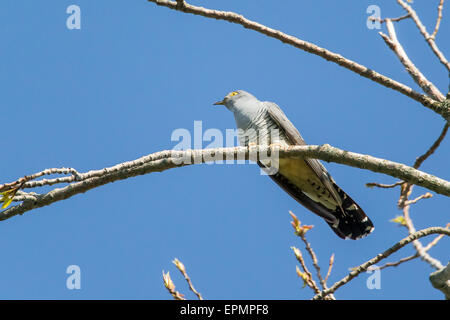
306,180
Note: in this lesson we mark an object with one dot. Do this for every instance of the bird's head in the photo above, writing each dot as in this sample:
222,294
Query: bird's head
236,100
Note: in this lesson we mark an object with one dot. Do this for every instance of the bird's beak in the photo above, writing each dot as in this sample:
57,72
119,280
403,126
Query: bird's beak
220,103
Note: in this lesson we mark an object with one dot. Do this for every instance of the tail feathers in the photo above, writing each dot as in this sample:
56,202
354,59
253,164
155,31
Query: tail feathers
351,221
348,221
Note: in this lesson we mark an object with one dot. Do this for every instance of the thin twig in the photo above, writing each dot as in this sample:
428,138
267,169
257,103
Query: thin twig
385,186
406,187
433,147
406,16
363,267
425,34
416,255
436,240
395,45
424,196
433,262
26,182
330,266
180,266
314,261
438,20
308,279
300,231
170,286
397,263
404,203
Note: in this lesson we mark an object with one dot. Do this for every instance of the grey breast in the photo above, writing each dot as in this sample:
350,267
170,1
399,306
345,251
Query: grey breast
259,129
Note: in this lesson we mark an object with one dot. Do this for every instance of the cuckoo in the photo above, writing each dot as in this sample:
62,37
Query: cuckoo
306,180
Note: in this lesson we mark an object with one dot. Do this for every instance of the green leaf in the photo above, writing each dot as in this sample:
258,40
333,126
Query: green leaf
7,197
399,220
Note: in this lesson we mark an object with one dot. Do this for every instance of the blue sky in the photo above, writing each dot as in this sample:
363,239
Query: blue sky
116,89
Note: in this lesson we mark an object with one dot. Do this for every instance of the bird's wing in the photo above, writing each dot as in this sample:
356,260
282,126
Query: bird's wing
295,138
347,219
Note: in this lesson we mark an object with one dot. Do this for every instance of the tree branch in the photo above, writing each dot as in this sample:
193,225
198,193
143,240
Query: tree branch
424,255
362,70
384,186
399,262
315,262
330,266
164,160
432,149
426,35
416,255
354,273
306,275
406,16
170,286
395,45
438,20
180,266
404,203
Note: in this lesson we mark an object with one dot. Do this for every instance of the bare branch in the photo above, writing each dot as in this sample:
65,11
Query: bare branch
300,231
438,20
26,182
416,255
330,267
436,240
406,187
432,149
363,267
306,276
393,43
397,263
384,186
180,266
406,16
437,107
170,286
323,282
404,203
426,35
314,260
169,159
424,196
433,262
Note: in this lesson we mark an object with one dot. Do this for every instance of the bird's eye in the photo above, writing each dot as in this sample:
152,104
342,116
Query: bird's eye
233,93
